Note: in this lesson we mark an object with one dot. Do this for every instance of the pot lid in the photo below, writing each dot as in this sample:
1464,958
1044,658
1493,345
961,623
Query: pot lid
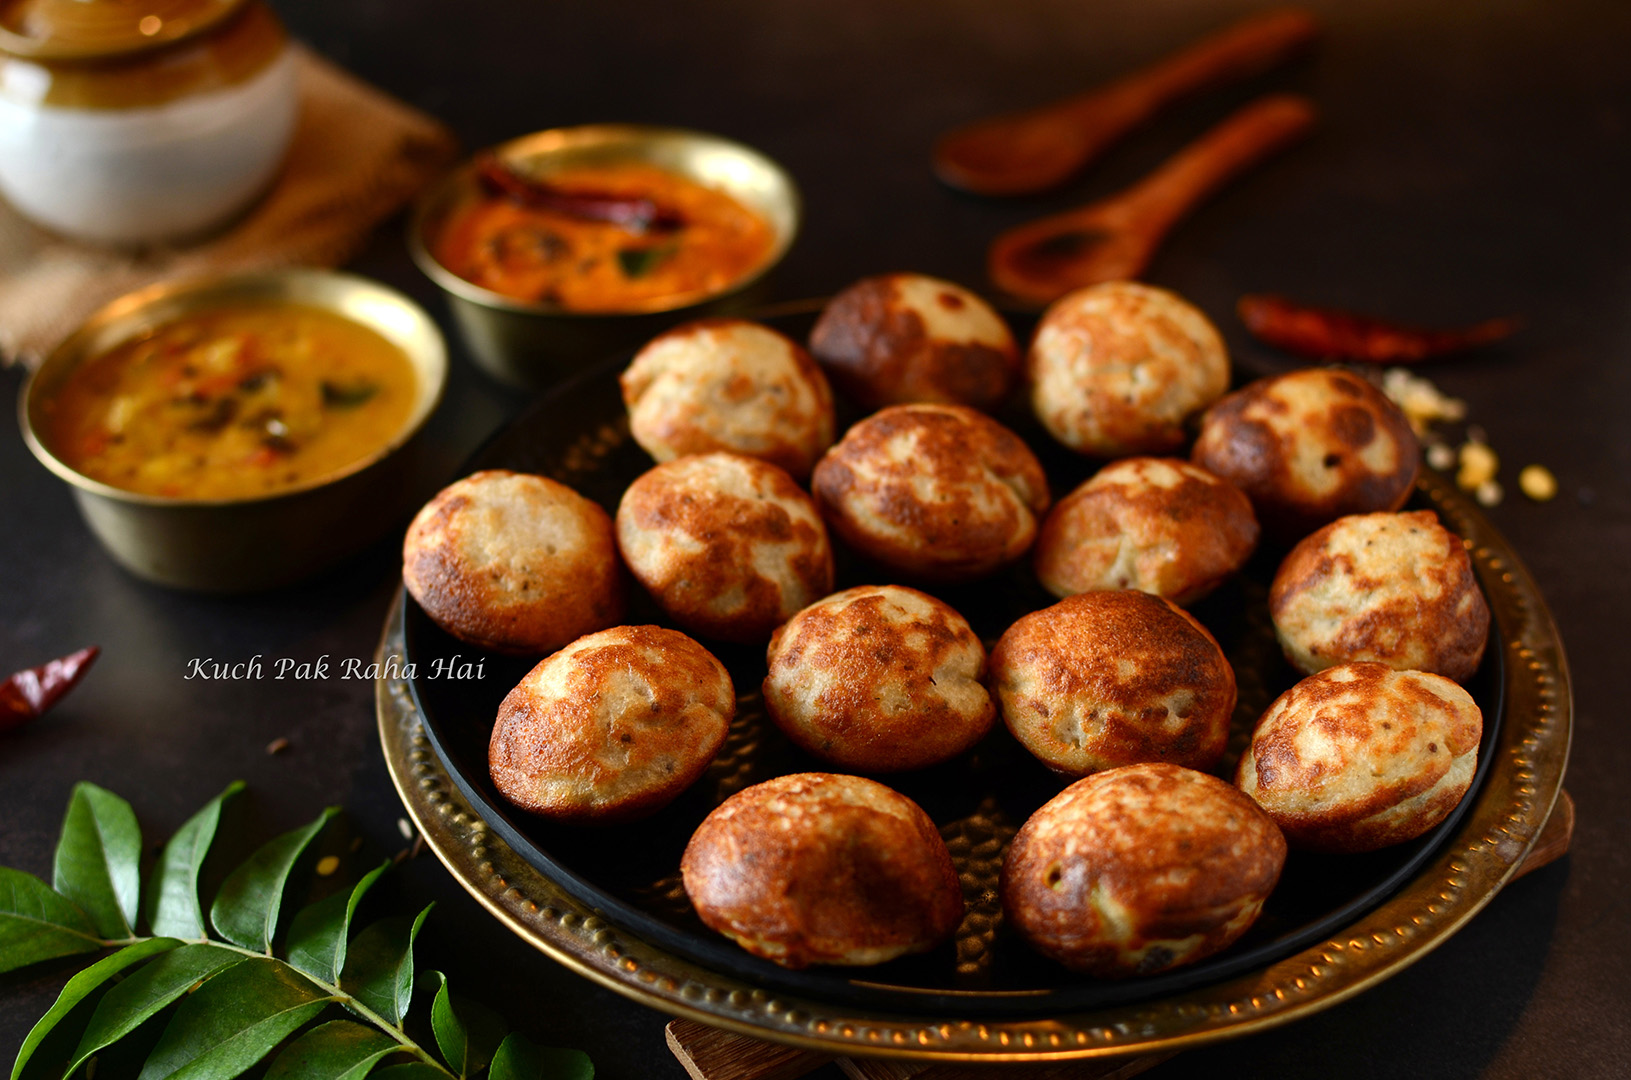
93,29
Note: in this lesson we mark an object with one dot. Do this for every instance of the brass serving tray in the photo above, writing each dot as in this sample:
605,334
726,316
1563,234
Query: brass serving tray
1509,810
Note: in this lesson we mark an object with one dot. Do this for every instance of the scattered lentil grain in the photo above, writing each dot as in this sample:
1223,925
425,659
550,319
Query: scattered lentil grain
1537,482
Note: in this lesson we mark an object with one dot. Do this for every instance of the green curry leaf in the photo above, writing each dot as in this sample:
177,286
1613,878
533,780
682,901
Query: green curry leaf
317,937
144,993
38,924
466,1033
80,987
172,893
226,1004
639,262
233,1021
246,911
379,969
519,1058
98,861
337,1050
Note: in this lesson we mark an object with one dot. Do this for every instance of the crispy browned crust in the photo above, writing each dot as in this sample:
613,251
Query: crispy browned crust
1302,463
1118,531
987,491
1342,596
879,679
1098,680
513,591
782,414
879,351
612,727
815,868
1360,756
694,530
1140,869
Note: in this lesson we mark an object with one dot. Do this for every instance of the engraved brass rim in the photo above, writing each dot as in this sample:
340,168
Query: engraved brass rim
1506,818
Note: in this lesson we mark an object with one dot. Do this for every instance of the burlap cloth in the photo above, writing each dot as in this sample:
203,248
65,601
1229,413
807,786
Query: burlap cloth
357,157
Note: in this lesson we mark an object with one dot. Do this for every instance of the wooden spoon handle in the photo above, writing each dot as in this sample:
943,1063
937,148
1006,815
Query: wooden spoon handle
1250,46
1154,204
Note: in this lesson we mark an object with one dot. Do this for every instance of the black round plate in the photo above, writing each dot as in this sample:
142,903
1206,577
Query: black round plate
629,872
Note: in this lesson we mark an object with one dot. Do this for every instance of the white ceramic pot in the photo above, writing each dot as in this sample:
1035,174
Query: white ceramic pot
163,141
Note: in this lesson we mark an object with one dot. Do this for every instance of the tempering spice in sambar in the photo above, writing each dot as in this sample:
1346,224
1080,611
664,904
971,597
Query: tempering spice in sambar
236,402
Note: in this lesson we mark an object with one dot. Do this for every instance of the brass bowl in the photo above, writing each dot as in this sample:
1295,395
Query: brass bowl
240,545
536,344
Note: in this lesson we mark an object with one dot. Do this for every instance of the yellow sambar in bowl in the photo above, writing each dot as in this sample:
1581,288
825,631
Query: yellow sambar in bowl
235,433
233,402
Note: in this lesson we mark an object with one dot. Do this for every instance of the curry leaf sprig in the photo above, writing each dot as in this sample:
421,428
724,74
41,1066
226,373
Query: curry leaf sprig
334,1007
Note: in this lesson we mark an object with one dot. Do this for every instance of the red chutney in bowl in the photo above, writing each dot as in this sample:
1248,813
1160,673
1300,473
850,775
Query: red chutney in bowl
585,245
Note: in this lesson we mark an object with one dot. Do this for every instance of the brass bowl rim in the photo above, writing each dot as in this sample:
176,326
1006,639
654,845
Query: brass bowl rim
587,134
1471,867
26,48
70,352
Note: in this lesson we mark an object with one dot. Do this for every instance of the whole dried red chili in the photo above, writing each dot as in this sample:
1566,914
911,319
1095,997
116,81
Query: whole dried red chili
633,212
30,692
1327,334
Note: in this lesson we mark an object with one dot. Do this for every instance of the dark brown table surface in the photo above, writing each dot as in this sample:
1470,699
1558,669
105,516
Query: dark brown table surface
1474,159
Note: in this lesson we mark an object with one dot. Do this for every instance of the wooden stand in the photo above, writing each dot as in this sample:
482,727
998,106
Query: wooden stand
710,1054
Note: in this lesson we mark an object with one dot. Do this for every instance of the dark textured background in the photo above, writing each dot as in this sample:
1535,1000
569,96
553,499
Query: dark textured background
1474,159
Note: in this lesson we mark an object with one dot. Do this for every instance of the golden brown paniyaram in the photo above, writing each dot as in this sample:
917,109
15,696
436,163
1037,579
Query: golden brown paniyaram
1104,679
1159,525
612,727
879,678
1397,589
1360,756
1140,869
935,492
1120,368
902,338
513,562
729,384
1308,447
816,868
729,546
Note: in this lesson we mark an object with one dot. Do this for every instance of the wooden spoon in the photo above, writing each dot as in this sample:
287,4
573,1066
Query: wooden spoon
1114,239
1030,151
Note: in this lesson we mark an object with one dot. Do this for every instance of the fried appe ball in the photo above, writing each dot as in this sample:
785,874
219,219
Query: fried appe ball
816,868
729,384
512,562
1360,756
1309,447
612,727
1140,870
879,678
1120,368
1397,589
1159,525
1105,679
903,338
938,493
729,546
